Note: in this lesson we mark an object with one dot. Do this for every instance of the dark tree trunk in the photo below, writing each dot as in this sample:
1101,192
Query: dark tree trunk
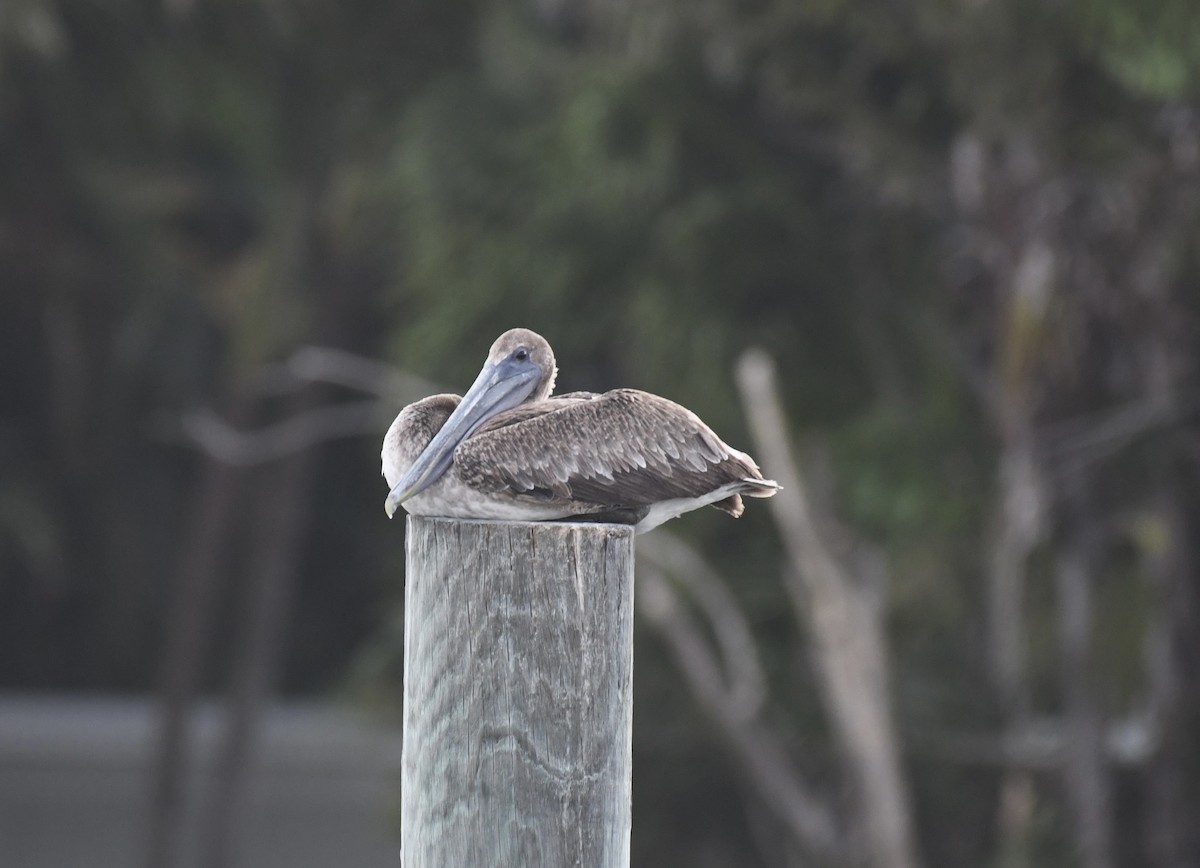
188,635
282,512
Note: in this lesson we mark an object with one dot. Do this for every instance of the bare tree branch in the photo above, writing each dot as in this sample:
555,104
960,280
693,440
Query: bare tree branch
1042,743
740,670
336,367
221,441
844,621
1083,442
768,767
208,431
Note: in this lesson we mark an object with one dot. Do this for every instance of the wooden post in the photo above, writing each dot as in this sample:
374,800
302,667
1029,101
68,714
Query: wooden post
518,694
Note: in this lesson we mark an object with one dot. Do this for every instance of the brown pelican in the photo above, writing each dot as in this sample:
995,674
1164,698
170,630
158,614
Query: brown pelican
508,450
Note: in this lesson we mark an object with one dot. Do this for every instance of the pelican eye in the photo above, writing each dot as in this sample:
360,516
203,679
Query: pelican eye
520,354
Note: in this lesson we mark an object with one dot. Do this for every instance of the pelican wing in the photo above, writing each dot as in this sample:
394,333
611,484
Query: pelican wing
624,448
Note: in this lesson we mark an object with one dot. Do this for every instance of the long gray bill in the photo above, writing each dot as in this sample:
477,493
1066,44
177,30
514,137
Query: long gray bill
500,386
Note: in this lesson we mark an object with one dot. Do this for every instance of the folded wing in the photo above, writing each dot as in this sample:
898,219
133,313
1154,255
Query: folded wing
625,448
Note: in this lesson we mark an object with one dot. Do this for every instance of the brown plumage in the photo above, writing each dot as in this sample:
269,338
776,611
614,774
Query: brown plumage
513,452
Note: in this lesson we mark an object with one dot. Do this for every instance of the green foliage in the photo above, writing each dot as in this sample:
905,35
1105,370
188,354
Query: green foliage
1152,48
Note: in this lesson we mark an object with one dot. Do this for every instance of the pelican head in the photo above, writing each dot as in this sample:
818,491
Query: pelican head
520,367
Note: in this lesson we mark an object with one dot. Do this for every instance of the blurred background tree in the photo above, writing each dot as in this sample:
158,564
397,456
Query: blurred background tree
964,233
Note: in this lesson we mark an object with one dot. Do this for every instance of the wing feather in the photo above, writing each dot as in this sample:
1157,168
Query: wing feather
624,448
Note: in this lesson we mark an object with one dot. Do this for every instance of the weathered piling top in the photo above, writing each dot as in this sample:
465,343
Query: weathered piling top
518,683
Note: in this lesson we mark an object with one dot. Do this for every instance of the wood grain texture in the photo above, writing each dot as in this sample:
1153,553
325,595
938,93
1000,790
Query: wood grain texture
518,694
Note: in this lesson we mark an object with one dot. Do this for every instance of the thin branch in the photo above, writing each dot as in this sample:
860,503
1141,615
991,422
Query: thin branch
1041,744
740,670
220,440
335,367
309,365
1079,443
762,756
